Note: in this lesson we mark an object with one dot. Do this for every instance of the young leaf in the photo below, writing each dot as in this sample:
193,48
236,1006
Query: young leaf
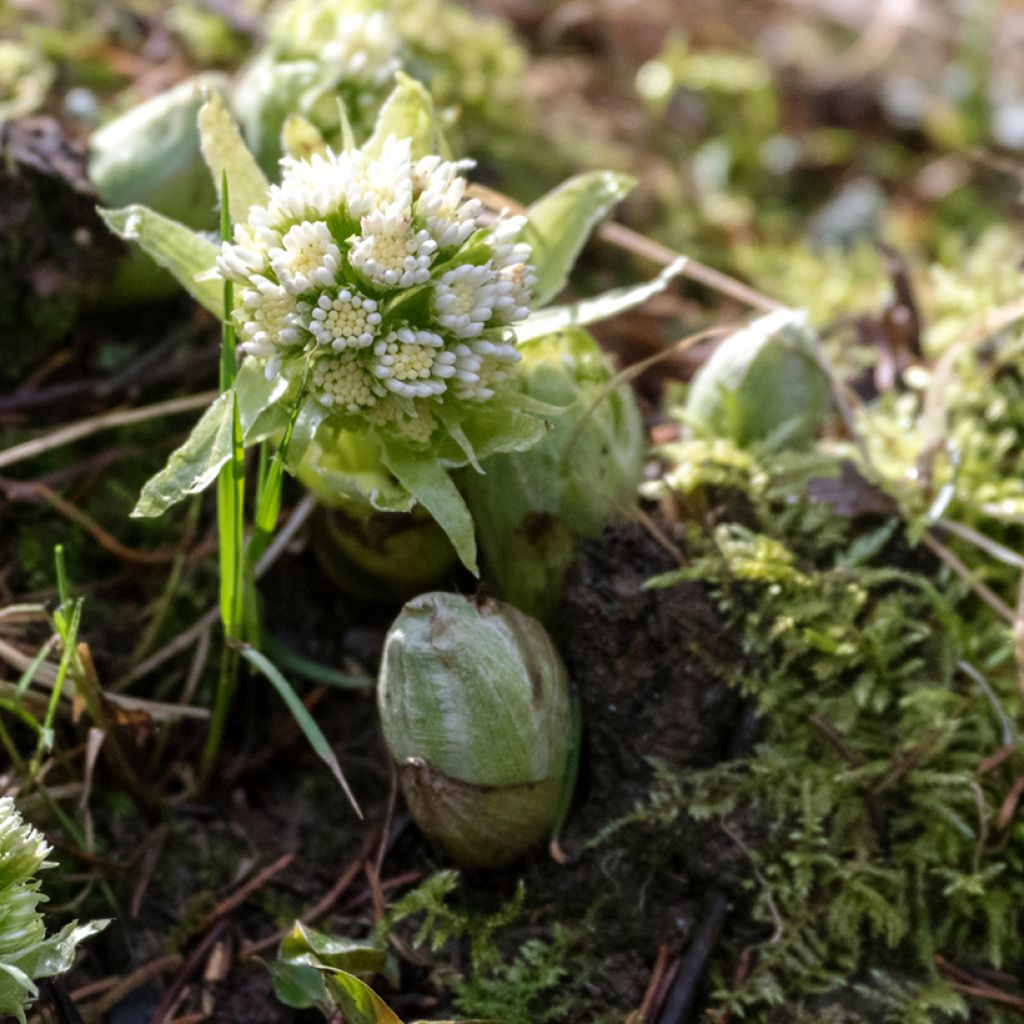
226,154
358,1002
303,718
600,307
306,945
559,223
299,986
182,251
195,465
426,480
408,113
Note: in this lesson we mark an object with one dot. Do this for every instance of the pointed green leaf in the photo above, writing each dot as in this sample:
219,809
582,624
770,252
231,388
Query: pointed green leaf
299,986
358,1002
600,307
559,224
407,113
357,956
226,153
182,251
193,466
426,480
303,718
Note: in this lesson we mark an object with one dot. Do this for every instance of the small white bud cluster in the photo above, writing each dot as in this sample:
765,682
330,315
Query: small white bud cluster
355,40
383,273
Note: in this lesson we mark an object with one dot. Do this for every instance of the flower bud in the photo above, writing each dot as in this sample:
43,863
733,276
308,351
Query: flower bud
531,508
762,384
381,556
26,953
474,704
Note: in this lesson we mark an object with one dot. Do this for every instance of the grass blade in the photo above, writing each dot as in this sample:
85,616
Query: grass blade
303,718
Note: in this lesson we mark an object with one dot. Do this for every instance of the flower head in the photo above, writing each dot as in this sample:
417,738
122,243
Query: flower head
379,270
26,951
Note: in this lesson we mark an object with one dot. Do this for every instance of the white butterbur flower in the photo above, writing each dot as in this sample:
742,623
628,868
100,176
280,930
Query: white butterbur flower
464,299
345,382
364,49
346,320
309,257
390,255
358,263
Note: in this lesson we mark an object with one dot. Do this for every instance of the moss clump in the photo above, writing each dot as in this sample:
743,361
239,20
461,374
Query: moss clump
884,866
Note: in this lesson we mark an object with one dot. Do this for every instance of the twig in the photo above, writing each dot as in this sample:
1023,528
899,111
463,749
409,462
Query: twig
640,245
654,983
345,879
684,990
170,998
992,599
104,421
237,898
135,980
19,491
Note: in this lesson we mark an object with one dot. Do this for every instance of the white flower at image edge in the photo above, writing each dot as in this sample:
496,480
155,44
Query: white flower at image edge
385,275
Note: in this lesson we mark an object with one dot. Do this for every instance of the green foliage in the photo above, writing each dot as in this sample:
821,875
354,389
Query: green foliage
872,828
443,922
544,981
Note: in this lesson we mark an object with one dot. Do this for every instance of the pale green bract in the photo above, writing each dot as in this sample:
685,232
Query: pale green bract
27,953
371,289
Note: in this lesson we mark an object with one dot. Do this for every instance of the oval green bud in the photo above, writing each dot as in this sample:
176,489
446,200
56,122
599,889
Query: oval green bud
762,384
474,704
531,508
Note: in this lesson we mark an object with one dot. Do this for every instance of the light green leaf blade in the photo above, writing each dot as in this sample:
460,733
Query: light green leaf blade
358,1002
600,307
182,251
303,718
306,945
56,953
299,986
559,224
408,113
257,395
226,153
17,990
194,465
425,479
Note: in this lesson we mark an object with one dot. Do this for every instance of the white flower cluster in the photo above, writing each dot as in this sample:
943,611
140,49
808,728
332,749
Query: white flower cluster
354,40
380,270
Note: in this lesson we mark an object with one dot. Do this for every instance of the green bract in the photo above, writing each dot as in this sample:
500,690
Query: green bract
26,952
532,508
150,154
474,703
762,384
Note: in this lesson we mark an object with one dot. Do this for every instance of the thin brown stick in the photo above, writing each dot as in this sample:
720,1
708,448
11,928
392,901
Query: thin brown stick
104,421
104,538
240,895
171,997
345,879
135,980
640,245
989,596
654,983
